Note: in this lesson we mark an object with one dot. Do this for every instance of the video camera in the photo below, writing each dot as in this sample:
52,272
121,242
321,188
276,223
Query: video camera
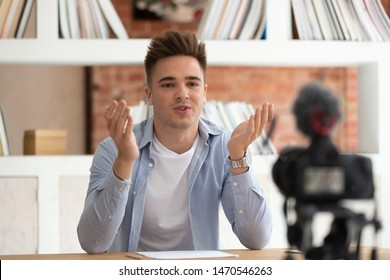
318,177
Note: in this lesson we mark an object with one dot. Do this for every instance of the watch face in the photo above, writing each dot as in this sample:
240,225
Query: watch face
244,162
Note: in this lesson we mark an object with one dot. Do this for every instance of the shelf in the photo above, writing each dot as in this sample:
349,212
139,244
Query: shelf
246,53
277,51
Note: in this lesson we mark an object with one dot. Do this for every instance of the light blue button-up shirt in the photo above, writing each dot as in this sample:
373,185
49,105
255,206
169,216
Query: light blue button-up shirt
113,211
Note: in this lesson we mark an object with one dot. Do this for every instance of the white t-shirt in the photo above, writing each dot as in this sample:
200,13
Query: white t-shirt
166,223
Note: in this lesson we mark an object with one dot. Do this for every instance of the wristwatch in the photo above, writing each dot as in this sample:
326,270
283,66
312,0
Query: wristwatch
240,163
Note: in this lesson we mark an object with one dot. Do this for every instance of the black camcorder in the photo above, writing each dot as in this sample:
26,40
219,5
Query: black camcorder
320,174
318,178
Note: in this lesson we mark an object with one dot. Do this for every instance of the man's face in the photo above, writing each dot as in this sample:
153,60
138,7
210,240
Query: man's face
177,93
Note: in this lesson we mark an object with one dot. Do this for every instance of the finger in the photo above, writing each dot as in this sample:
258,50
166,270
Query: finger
264,115
271,112
129,126
122,122
251,127
261,119
258,115
116,115
108,113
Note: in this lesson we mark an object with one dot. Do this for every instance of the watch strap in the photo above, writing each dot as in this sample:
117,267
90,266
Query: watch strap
240,163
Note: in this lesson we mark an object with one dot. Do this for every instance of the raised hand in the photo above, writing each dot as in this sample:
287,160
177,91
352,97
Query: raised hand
120,126
247,132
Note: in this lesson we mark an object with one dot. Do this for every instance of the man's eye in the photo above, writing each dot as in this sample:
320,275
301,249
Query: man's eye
193,84
167,85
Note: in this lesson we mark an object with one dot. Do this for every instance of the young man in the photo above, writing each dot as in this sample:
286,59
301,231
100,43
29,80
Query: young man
157,185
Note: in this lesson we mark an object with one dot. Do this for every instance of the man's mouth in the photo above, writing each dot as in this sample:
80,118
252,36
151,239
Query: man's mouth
182,107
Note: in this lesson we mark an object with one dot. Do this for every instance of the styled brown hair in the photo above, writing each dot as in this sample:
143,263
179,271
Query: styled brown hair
173,43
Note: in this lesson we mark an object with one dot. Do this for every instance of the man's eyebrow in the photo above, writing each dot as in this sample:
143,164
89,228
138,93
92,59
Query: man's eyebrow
193,78
170,78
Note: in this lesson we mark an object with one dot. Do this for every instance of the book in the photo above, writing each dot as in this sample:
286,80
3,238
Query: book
375,17
93,19
365,21
341,20
73,19
13,18
204,18
63,18
355,21
324,20
113,19
302,26
313,21
350,22
382,15
224,116
334,20
4,144
26,19
99,23
239,19
85,20
222,19
213,19
252,21
227,19
261,29
4,9
230,16
365,34
332,24
306,21
297,10
209,111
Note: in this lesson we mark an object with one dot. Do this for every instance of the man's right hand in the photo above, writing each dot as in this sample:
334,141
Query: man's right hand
120,126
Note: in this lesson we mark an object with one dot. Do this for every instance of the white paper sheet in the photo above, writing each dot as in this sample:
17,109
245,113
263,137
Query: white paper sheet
195,254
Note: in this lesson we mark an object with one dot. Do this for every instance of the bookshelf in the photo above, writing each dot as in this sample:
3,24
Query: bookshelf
279,50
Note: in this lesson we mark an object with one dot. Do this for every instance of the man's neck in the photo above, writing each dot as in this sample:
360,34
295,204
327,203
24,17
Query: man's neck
177,140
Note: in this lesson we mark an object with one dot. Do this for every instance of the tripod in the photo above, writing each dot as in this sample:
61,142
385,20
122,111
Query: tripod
344,238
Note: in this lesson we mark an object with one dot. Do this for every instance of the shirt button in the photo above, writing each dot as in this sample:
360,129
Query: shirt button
120,189
109,217
235,184
241,211
150,164
128,186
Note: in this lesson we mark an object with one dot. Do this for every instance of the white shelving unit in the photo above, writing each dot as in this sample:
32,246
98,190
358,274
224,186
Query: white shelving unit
279,50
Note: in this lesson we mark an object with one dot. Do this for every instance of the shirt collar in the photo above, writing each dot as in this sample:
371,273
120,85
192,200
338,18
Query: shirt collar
206,128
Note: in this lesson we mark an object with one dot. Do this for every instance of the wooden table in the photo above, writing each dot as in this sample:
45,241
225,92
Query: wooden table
265,254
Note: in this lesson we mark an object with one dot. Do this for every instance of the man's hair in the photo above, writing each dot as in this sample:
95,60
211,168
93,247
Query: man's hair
173,43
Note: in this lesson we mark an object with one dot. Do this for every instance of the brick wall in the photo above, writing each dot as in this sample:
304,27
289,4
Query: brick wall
254,85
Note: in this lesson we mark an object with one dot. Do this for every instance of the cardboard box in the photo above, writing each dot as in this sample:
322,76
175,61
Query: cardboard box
45,142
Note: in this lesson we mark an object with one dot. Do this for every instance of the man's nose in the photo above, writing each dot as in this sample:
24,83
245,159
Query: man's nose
182,92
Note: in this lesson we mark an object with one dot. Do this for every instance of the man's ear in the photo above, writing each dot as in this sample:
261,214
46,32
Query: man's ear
148,95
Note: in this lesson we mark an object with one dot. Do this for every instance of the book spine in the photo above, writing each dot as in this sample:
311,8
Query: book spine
4,143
